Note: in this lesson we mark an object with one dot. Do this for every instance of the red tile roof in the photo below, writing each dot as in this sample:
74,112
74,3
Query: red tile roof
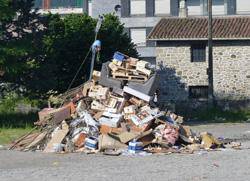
234,27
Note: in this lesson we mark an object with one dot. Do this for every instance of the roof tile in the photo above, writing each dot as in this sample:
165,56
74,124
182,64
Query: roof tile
235,27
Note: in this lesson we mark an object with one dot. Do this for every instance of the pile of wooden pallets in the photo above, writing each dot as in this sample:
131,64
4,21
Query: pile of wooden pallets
97,118
130,69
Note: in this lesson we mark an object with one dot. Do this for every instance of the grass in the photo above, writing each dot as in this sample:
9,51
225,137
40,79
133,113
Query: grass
216,115
7,135
17,120
14,124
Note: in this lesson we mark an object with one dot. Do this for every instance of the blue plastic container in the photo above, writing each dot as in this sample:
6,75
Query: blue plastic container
119,56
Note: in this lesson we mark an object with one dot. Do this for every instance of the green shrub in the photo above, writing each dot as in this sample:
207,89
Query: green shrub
10,117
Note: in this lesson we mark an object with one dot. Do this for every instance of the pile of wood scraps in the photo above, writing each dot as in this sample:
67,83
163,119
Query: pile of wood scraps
114,121
130,69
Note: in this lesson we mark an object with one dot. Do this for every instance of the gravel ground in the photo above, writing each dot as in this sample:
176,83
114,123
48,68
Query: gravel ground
218,165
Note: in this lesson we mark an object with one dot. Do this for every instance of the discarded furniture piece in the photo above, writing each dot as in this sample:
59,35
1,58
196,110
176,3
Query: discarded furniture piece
149,87
57,138
106,79
55,116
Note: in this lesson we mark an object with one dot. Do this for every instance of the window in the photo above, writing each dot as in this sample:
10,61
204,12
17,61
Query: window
54,4
198,53
38,3
243,7
162,7
194,7
137,7
218,7
198,92
138,36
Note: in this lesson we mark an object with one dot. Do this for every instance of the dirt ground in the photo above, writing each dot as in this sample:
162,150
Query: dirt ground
222,165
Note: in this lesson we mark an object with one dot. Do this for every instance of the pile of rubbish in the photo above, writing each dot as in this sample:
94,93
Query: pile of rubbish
115,113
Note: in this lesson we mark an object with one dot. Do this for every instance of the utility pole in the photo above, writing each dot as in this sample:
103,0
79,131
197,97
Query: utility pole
210,55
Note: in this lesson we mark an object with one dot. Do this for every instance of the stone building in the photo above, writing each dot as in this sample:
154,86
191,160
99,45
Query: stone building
140,16
182,57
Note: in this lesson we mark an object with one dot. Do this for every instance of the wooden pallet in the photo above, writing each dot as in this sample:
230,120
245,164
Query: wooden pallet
128,73
131,78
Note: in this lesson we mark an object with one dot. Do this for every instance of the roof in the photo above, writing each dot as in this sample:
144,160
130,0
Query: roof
224,28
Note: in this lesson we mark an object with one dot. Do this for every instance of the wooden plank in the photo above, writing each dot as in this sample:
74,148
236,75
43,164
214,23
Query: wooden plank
37,140
131,78
57,137
113,67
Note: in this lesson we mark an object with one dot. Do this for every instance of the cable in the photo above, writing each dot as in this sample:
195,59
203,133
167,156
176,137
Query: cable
98,26
79,69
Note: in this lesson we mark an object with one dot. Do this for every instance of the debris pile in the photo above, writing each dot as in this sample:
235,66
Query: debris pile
114,113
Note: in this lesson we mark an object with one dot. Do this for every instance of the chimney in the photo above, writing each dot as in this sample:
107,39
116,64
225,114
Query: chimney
183,11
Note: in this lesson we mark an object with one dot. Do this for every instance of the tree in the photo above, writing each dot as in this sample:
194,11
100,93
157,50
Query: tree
43,53
114,38
68,41
20,28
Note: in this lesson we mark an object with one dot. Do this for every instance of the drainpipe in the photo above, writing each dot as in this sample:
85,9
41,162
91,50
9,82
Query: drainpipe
183,11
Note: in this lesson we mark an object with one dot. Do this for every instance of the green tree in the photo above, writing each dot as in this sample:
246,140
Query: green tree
114,38
20,31
44,52
69,39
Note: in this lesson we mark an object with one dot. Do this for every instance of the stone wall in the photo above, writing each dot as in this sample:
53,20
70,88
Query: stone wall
178,72
231,70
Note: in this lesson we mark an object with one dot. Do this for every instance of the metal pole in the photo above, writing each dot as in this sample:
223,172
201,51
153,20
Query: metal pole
210,54
92,63
94,49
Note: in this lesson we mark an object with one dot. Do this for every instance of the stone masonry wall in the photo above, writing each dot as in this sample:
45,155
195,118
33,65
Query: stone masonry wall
231,71
178,72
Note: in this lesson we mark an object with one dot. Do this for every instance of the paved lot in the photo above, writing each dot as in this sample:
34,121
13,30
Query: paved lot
220,165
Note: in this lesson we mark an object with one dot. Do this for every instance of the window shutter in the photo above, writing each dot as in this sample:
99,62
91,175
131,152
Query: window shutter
174,4
231,7
125,8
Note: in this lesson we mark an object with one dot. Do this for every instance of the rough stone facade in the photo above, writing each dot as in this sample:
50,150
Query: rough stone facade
231,70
